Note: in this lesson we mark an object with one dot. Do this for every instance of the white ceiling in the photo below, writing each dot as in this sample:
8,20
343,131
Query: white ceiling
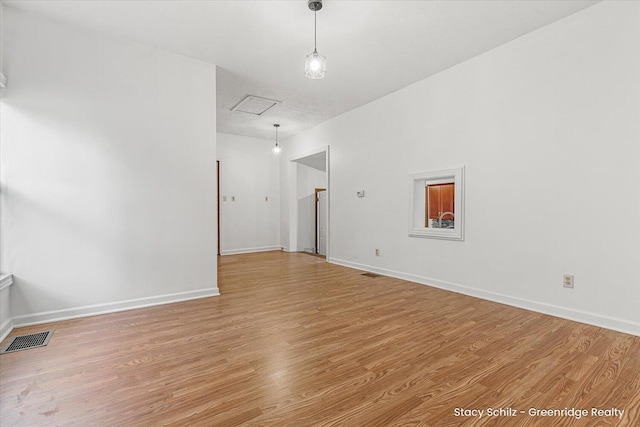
372,47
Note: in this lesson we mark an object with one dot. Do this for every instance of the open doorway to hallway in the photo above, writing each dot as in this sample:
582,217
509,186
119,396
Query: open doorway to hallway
310,181
310,216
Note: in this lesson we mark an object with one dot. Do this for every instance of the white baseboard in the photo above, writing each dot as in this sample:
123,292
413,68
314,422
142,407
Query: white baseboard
6,328
250,250
6,280
594,319
93,310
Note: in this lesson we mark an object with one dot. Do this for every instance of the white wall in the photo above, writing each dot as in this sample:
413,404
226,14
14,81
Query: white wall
249,172
108,173
5,294
308,179
548,127
2,76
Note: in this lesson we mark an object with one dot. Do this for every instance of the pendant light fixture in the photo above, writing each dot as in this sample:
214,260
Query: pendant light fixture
276,148
315,64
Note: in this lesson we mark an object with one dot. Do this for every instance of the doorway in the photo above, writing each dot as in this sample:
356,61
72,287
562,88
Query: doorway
309,196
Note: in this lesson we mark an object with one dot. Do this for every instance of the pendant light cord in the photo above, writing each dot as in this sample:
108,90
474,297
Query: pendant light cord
315,30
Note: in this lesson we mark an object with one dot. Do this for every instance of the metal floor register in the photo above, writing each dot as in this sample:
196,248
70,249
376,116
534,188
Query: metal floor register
25,342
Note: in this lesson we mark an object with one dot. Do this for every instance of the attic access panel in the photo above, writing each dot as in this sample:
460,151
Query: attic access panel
255,105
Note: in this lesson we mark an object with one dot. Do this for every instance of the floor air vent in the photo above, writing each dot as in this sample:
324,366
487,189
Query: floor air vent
372,275
25,342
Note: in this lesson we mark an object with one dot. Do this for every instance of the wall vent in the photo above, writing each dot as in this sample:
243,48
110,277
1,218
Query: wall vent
25,342
255,105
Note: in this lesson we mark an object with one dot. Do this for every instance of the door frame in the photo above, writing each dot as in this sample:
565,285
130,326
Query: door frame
317,199
218,197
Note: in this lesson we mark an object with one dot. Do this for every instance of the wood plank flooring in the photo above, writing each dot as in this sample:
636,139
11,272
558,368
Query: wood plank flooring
295,341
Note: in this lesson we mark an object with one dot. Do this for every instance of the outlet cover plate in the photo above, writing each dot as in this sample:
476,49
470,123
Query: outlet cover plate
567,281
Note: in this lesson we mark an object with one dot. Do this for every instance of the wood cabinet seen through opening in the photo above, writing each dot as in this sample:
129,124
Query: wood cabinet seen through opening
440,198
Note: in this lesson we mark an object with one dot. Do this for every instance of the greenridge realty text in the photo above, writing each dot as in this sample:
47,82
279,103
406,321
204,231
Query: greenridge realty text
576,413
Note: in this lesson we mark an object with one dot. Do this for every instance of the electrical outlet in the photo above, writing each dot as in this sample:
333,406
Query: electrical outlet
377,252
567,281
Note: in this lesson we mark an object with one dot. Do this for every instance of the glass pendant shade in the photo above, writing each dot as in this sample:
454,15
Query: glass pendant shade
276,148
315,65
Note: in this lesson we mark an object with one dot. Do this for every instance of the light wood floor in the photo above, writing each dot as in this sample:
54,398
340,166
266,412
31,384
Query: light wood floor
294,341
